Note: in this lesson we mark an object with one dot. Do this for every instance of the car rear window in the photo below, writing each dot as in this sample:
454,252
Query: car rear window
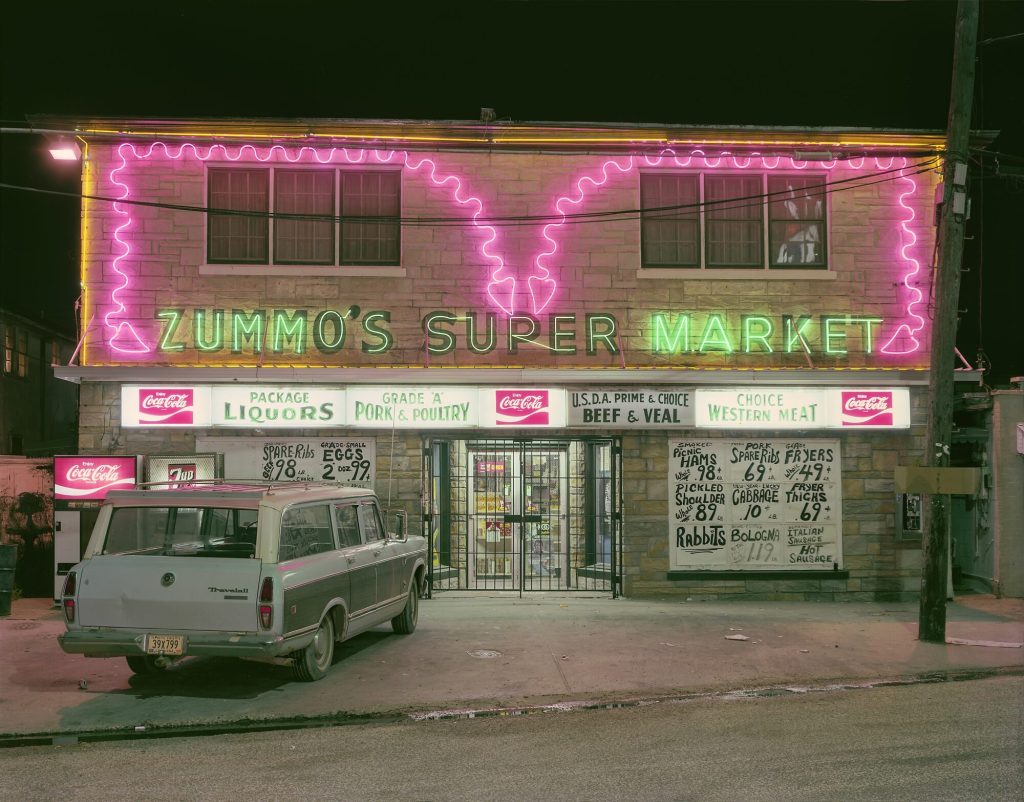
182,531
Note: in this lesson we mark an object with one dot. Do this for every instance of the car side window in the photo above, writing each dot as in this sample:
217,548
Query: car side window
369,523
347,520
304,531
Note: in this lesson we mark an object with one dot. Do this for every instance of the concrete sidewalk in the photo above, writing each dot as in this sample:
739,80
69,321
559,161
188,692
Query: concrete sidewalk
479,652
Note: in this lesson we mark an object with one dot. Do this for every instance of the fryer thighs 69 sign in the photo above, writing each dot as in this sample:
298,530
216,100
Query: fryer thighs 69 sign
755,504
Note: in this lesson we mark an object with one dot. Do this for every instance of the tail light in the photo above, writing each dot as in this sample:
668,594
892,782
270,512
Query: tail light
70,586
266,603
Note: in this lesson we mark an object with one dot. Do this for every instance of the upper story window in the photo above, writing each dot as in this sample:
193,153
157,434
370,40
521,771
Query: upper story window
733,220
15,352
323,195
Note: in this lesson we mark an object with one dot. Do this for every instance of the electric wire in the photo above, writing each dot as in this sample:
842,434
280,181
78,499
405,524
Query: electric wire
655,213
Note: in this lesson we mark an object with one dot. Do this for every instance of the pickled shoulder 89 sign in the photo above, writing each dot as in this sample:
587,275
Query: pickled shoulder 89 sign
755,504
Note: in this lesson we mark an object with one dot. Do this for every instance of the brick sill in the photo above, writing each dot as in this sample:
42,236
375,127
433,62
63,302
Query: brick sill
697,274
290,271
740,574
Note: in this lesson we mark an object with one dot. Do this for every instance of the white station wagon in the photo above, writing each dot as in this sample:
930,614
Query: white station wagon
242,570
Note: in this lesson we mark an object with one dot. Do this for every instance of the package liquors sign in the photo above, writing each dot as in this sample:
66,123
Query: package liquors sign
755,504
350,461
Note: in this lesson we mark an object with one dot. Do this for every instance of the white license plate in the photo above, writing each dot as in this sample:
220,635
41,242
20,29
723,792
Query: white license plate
165,644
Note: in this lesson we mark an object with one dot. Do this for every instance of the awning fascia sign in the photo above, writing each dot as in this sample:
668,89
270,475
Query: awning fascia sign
265,406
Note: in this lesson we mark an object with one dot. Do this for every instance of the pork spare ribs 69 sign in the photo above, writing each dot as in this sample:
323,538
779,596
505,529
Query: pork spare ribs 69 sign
755,505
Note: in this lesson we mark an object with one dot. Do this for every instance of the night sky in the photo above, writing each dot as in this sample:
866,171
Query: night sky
864,64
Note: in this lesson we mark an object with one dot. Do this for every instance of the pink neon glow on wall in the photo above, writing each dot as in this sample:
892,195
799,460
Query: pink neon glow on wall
902,341
125,339
501,289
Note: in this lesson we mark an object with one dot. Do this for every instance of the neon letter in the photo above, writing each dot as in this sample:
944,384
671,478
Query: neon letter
749,336
382,334
247,328
447,339
605,329
714,336
173,318
557,334
676,342
290,327
337,342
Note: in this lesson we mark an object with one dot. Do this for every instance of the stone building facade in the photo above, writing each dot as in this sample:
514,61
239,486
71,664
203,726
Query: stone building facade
640,361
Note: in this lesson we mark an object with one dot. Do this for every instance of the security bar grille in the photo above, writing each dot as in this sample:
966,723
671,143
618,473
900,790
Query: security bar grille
523,515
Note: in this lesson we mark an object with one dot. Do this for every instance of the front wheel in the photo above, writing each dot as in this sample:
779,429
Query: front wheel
405,622
313,662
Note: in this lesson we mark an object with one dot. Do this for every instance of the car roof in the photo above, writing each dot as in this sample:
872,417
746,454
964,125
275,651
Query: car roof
227,492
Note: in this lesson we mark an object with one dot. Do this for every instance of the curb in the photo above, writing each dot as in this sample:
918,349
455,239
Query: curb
341,719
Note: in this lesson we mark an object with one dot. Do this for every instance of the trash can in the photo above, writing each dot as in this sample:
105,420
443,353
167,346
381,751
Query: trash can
8,559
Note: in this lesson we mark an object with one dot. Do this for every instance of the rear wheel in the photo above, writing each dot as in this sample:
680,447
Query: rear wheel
405,622
145,664
313,662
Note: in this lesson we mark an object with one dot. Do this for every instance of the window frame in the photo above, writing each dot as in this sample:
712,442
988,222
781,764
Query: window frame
768,267
272,265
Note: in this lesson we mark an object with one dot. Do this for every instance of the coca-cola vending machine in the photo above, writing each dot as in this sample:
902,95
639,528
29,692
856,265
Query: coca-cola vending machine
80,483
184,469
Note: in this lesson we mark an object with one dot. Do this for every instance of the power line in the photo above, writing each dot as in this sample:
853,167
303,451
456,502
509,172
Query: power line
656,212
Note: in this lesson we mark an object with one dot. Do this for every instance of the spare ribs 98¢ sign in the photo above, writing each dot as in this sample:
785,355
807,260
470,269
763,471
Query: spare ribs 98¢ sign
755,505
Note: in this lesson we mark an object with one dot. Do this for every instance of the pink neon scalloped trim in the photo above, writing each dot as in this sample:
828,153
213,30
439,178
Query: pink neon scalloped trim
905,332
126,340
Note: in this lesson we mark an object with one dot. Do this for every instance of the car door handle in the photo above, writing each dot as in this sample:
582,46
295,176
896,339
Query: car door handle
350,560
377,553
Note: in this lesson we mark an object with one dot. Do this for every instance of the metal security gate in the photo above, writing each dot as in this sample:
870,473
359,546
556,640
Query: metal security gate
523,515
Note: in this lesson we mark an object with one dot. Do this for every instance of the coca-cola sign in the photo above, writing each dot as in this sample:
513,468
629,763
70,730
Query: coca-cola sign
521,408
867,408
164,406
91,478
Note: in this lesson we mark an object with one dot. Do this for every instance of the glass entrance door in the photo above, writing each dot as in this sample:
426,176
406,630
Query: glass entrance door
517,511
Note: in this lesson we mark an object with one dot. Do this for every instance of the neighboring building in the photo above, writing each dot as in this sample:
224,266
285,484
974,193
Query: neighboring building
706,399
38,413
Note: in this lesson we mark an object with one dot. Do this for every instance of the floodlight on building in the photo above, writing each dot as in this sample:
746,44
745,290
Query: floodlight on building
65,149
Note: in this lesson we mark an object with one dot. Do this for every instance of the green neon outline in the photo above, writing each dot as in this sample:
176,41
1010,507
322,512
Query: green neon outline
827,335
199,330
748,338
255,321
514,338
659,323
714,321
802,322
444,334
492,333
290,327
387,340
557,334
318,332
174,317
610,337
867,321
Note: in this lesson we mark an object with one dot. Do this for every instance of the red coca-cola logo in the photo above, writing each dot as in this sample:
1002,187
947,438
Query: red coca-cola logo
173,401
522,408
96,474
526,402
166,406
867,408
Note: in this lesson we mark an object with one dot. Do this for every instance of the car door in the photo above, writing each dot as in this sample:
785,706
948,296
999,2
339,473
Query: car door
372,527
359,558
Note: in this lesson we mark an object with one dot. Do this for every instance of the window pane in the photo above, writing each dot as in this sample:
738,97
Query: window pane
238,239
797,220
304,241
670,237
305,531
370,194
734,223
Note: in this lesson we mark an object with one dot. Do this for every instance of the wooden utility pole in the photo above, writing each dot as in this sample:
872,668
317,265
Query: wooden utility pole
934,572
